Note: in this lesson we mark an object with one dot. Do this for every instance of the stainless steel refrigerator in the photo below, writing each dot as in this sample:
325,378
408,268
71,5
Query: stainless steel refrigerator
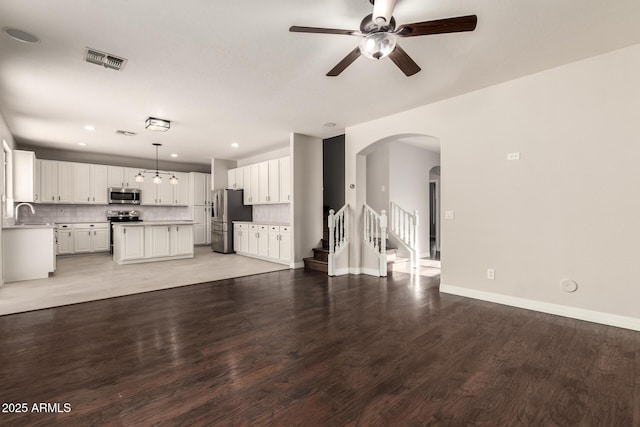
226,207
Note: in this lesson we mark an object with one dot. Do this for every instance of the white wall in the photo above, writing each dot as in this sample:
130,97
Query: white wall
307,215
568,209
219,169
409,184
378,162
269,155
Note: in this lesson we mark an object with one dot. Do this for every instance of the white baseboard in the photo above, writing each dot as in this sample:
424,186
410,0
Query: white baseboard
341,271
545,307
297,265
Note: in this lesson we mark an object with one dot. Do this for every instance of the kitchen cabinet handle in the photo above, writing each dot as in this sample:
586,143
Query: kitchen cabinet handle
89,233
69,234
88,199
94,233
53,198
168,229
36,198
178,228
58,198
124,231
94,199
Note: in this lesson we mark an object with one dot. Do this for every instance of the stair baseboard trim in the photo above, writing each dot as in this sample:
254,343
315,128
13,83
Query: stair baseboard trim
608,319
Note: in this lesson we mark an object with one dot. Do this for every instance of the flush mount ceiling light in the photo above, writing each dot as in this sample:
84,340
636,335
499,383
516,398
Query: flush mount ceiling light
329,125
82,144
21,36
157,179
174,155
235,144
125,132
89,128
157,124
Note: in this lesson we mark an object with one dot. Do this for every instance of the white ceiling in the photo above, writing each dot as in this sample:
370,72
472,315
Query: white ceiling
230,71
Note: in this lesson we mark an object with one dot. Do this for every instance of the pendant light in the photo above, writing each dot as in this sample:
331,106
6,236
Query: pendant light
157,179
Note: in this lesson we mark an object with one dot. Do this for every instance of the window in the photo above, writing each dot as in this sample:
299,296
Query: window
7,181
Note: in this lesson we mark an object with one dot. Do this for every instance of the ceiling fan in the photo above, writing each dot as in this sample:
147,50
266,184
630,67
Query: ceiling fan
379,33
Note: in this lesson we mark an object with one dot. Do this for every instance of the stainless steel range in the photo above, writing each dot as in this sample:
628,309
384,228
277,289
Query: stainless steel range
121,216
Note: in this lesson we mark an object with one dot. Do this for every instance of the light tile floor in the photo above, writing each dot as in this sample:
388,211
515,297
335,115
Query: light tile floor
81,278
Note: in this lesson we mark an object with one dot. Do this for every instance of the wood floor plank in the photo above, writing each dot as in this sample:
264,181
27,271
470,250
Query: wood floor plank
300,348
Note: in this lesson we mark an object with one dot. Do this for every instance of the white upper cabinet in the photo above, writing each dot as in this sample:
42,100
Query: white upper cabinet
157,194
274,181
267,182
123,177
89,184
57,184
181,190
198,188
26,177
285,180
263,182
235,178
246,178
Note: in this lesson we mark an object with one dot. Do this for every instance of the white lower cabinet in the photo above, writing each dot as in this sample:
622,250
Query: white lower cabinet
90,238
146,243
202,225
241,238
182,240
82,238
158,241
270,242
131,245
64,239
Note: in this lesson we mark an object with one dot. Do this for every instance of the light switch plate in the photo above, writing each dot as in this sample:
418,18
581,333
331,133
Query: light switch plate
449,214
513,156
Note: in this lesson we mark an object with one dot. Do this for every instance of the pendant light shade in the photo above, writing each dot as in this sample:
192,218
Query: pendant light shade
157,179
139,177
173,180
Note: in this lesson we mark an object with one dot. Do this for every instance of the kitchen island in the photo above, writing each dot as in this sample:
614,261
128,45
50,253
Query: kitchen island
150,241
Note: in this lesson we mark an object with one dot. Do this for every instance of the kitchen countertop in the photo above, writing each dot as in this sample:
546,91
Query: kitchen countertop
151,223
286,224
28,226
83,222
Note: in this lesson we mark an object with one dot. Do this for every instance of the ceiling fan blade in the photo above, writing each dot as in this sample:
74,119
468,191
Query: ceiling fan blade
404,61
348,60
317,30
439,26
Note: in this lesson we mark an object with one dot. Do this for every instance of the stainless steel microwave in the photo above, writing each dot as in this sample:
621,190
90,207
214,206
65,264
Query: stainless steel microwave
125,196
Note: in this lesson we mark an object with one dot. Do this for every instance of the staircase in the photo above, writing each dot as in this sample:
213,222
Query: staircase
319,261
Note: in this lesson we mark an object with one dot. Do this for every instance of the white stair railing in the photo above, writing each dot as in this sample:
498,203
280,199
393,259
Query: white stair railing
404,226
375,235
338,236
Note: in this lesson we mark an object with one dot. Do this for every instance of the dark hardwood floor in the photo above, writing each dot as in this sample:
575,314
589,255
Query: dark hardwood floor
299,348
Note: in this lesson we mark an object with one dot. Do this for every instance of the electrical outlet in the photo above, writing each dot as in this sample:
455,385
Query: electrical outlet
449,214
491,274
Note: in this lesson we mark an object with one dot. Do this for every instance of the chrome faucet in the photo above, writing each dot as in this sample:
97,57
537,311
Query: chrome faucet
33,211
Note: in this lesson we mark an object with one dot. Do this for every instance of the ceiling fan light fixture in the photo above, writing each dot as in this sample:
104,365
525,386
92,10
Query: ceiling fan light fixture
378,45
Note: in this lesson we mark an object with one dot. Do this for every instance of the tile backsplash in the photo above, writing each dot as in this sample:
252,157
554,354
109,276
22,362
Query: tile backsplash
272,213
88,213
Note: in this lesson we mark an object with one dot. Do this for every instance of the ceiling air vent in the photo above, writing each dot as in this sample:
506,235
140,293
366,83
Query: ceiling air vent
105,59
125,132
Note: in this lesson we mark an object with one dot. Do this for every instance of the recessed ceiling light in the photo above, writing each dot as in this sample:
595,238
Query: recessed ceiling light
89,127
174,155
329,125
235,145
83,144
21,36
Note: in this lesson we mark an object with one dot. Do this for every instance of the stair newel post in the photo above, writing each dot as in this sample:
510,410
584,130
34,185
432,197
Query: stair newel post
415,240
383,243
332,227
